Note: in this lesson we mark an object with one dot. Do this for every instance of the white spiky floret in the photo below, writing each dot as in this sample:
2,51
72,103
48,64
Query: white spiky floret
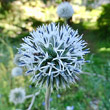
17,95
54,55
17,71
65,10
16,59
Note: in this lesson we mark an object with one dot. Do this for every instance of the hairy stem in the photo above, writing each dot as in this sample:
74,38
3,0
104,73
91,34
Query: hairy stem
47,97
65,21
94,74
33,99
30,96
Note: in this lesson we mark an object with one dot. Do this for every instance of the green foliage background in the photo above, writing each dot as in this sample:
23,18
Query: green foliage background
92,89
104,22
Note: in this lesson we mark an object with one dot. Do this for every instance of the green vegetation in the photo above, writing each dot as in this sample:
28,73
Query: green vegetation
92,89
104,22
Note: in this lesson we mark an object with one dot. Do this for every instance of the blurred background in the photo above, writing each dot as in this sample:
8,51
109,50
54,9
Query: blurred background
92,18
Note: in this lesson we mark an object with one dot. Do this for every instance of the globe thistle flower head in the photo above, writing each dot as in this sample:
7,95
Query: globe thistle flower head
17,71
17,95
65,10
54,55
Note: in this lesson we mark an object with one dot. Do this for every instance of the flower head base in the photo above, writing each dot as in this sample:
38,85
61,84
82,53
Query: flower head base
17,95
65,10
17,71
54,55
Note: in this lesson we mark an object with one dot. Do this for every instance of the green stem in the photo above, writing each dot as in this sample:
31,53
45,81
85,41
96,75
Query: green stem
65,22
47,97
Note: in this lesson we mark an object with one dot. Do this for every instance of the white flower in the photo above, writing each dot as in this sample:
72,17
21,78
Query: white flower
54,54
16,59
65,10
17,95
17,71
70,108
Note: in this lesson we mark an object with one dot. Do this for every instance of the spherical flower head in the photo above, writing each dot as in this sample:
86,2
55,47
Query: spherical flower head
17,71
65,10
54,55
17,95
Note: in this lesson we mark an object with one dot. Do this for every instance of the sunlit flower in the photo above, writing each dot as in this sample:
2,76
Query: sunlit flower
70,108
17,95
65,10
17,71
54,55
